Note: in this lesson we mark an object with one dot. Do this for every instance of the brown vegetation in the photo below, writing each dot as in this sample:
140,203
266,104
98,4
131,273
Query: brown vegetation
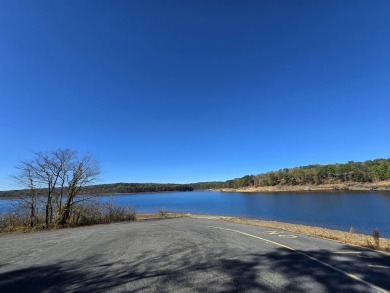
167,215
374,241
87,213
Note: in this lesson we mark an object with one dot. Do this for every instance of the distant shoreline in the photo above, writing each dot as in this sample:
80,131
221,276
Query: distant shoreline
333,187
350,186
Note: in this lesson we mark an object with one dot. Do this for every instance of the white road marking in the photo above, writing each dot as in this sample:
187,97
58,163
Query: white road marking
287,236
310,257
381,267
272,232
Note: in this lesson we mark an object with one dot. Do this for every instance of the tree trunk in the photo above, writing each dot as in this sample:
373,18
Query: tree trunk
66,210
47,216
32,212
49,210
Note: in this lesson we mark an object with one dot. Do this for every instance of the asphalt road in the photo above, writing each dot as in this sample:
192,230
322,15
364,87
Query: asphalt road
186,255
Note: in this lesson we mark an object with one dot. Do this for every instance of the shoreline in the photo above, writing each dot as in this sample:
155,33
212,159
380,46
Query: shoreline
347,186
351,238
354,186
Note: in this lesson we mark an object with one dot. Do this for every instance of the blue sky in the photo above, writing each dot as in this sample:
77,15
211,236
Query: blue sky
187,91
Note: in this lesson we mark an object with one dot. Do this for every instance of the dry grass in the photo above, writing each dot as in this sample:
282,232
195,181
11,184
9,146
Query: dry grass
374,242
158,215
88,213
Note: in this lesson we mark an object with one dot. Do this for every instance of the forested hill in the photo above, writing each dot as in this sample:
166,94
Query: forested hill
113,189
368,171
116,188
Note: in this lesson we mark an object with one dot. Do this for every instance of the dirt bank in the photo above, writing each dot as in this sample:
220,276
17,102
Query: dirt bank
357,186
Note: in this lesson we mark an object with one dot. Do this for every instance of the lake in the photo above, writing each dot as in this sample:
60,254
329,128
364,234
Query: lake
363,211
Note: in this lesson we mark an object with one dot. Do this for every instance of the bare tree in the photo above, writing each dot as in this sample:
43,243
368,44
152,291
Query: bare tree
57,174
64,158
25,178
47,171
83,171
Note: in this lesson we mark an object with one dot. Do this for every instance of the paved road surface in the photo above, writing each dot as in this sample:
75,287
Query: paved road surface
186,255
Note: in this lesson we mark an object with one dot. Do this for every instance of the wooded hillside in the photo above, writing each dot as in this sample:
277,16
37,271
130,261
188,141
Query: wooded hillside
367,171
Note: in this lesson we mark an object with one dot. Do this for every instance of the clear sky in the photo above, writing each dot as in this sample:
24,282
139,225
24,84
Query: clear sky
187,91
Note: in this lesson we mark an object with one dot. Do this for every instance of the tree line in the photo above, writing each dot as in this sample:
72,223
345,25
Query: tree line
367,171
133,188
114,188
62,174
117,188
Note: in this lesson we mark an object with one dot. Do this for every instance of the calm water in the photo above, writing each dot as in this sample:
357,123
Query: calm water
338,210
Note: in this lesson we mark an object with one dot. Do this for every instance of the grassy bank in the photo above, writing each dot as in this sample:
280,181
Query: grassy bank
374,242
353,186
9,224
88,213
